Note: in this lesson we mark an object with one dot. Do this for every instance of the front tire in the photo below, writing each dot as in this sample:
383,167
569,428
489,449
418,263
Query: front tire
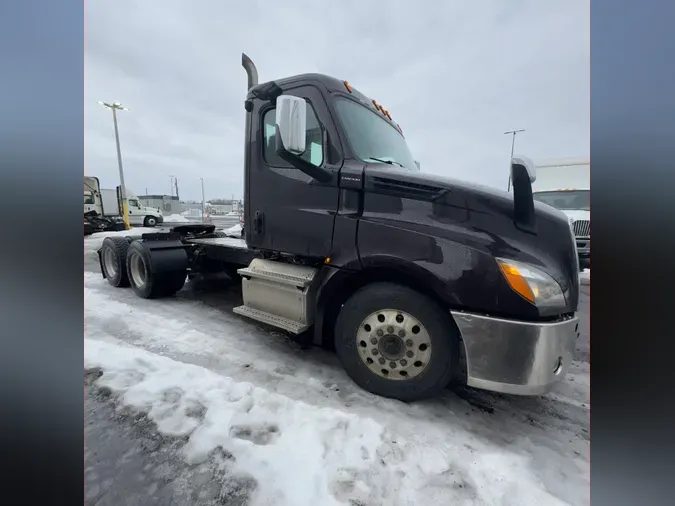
149,221
396,343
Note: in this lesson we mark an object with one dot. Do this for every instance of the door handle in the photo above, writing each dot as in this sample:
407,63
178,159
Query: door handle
258,222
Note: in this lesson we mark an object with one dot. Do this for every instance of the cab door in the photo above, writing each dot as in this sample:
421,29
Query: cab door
136,214
290,211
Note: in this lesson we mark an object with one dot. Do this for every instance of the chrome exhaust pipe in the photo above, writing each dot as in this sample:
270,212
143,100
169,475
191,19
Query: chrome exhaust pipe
251,71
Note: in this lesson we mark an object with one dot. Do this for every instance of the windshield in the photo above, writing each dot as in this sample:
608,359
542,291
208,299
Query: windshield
373,138
566,200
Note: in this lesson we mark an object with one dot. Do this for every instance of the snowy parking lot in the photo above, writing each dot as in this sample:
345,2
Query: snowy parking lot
209,408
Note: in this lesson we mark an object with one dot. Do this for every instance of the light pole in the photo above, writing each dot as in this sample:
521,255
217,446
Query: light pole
203,200
114,107
513,143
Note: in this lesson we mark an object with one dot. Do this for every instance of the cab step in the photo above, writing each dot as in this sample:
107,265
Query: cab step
270,319
278,294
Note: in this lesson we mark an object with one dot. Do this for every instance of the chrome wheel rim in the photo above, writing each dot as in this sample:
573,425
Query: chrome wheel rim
152,222
110,262
393,344
138,272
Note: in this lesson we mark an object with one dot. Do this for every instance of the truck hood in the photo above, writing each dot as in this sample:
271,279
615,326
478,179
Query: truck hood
446,191
469,224
151,211
577,214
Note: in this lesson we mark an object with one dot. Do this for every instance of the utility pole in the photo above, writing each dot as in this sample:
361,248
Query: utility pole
175,180
203,200
513,143
171,185
114,107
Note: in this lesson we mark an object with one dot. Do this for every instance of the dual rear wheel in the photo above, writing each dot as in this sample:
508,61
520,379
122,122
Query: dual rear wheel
127,263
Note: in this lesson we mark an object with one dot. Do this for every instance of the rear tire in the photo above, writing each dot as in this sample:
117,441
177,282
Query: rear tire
114,261
149,221
396,343
148,284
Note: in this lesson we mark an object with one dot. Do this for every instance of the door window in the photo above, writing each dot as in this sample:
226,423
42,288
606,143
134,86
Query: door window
314,140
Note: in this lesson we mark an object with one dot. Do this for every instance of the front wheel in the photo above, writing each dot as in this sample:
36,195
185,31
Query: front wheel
149,221
396,342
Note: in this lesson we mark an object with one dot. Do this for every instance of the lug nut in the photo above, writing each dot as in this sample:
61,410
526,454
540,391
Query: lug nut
409,354
390,329
374,352
401,333
380,333
373,341
381,361
392,365
404,362
409,343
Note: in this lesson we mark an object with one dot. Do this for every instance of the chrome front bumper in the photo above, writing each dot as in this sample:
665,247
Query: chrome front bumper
516,357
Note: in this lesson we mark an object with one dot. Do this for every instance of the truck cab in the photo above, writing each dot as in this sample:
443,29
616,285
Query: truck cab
329,178
416,280
140,215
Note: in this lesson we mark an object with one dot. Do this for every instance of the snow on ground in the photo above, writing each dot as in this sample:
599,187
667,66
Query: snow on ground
175,218
234,231
302,454
585,274
306,433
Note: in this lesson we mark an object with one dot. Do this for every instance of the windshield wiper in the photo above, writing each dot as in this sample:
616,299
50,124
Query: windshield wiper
388,162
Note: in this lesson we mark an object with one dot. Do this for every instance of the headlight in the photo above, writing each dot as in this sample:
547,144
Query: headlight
532,284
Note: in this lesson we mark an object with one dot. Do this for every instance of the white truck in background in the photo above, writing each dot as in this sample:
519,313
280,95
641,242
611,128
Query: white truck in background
565,184
107,207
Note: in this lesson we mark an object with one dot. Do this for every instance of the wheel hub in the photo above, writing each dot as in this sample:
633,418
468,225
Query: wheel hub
137,271
391,347
393,344
109,261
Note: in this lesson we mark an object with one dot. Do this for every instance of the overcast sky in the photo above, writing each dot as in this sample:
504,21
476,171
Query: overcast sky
455,75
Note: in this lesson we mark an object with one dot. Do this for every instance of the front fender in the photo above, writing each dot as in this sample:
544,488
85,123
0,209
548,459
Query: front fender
462,275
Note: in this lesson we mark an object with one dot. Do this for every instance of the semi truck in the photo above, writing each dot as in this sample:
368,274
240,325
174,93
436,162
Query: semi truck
415,280
566,185
104,207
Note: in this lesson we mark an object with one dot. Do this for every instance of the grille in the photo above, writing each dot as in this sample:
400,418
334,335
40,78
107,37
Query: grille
582,228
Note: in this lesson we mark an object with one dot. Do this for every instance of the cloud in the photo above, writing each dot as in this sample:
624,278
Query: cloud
455,75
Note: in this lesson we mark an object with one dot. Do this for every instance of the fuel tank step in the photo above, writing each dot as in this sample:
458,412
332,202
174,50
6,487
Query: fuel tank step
278,294
278,272
270,319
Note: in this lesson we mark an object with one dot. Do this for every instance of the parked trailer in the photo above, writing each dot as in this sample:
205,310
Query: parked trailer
99,214
566,185
415,279
108,205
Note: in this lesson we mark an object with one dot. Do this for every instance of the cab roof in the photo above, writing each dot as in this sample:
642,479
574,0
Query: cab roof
330,84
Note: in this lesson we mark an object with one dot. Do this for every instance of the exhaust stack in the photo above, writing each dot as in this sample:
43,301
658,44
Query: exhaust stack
251,71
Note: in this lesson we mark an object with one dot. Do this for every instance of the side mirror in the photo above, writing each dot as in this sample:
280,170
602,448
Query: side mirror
291,123
523,165
523,175
291,134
